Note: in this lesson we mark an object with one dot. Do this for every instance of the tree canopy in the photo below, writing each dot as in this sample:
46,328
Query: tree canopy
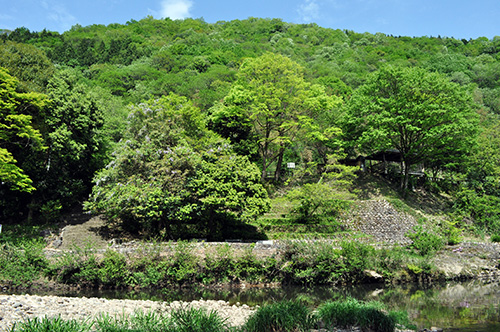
171,176
275,91
423,115
16,131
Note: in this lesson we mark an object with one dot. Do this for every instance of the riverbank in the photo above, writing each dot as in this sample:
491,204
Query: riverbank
16,308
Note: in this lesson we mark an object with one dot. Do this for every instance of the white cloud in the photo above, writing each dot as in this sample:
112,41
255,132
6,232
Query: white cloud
58,13
309,10
176,9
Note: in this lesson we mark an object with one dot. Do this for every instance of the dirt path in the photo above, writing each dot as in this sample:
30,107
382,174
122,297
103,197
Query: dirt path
81,231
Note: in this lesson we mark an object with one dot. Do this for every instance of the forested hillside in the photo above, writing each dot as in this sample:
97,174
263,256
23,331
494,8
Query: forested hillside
184,127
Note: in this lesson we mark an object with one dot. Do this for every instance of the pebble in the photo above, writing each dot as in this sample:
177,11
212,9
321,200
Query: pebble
16,308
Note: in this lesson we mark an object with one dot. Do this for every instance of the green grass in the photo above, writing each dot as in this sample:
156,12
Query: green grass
280,317
368,316
181,320
51,324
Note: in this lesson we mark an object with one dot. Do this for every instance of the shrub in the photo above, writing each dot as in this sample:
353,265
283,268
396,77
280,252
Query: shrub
22,264
452,233
357,257
113,269
280,317
425,243
495,238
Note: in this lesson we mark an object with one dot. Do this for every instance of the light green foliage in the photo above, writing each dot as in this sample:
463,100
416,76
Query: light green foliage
16,131
421,114
172,177
425,242
452,232
279,101
56,324
317,201
28,64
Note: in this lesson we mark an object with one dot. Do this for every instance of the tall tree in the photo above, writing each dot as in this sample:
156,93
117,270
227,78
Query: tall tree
16,131
172,177
70,126
422,114
272,89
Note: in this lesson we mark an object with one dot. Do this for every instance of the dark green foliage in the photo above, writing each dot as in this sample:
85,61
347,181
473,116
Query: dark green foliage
350,312
495,238
285,316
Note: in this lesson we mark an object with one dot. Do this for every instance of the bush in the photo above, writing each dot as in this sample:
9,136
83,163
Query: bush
452,233
495,238
22,264
280,317
351,312
113,269
425,243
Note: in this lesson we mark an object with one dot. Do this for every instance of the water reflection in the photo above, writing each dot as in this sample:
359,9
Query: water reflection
454,306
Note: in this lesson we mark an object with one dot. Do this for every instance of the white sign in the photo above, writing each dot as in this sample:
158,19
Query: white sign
290,165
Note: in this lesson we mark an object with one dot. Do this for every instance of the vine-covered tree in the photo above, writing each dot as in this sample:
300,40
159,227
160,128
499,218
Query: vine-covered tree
171,177
423,115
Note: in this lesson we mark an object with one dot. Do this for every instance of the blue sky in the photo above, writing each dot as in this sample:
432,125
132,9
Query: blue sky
450,18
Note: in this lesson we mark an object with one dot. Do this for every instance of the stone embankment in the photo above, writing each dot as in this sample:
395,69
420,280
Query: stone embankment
381,222
16,308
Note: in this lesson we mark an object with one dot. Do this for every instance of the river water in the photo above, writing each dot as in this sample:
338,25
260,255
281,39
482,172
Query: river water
454,306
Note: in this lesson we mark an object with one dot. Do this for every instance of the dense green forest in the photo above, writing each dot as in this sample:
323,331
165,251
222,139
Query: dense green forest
185,127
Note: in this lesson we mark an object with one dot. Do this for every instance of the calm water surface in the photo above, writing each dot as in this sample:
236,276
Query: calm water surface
458,306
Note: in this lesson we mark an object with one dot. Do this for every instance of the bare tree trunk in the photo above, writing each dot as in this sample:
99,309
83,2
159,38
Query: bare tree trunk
404,179
277,173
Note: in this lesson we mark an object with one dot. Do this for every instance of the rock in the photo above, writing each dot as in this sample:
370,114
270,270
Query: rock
370,274
436,329
57,243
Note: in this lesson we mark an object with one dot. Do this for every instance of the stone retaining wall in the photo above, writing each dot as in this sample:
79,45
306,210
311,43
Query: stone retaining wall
381,222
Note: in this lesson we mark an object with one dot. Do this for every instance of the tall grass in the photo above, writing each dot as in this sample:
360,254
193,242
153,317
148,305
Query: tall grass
180,320
367,315
283,316
56,324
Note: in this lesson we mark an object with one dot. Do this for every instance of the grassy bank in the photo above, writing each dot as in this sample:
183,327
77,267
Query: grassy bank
282,316
297,263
